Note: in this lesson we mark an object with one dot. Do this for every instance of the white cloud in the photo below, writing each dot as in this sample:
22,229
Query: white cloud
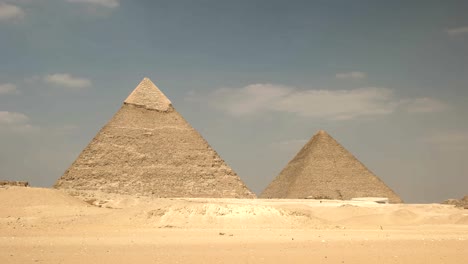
355,75
250,99
15,122
9,118
424,105
67,80
22,2
449,140
10,12
339,104
8,88
259,99
457,31
449,137
33,79
326,104
104,3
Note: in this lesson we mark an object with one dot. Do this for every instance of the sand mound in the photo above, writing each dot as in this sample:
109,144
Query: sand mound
49,210
397,218
23,209
391,215
463,220
175,213
25,197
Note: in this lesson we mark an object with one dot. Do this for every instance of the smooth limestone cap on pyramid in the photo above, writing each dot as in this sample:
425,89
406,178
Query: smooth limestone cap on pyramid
148,148
323,169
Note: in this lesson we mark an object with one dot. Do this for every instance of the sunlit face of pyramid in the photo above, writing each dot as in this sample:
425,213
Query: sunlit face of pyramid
149,96
148,148
325,169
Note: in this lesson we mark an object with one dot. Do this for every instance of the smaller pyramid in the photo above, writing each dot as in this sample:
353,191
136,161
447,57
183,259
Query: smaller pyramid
323,169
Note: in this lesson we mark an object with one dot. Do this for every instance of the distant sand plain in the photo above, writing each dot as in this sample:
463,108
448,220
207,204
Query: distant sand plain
48,226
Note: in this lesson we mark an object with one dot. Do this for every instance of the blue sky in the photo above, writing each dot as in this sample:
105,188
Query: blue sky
387,79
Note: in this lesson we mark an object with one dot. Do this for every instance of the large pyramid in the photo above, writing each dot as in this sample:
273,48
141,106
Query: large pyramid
148,148
324,169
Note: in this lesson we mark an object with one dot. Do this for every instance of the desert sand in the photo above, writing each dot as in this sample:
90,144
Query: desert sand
48,226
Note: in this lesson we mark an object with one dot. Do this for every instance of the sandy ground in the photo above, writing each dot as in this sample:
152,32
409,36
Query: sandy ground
48,226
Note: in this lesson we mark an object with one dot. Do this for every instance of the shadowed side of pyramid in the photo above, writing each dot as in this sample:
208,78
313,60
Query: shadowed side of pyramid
148,148
323,169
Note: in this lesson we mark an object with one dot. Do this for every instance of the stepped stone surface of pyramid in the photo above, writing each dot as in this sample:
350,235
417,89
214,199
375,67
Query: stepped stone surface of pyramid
323,169
148,148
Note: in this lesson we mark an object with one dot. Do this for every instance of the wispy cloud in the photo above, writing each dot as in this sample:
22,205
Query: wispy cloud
259,99
255,98
67,80
8,88
8,118
10,12
448,140
339,104
354,75
16,122
103,3
424,105
457,31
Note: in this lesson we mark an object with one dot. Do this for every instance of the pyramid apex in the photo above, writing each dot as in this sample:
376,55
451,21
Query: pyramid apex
148,95
322,133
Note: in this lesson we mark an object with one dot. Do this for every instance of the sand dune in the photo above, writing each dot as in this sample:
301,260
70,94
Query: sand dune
26,197
48,226
128,212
